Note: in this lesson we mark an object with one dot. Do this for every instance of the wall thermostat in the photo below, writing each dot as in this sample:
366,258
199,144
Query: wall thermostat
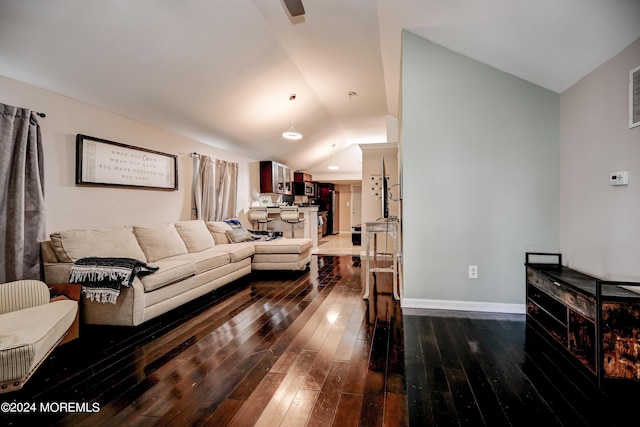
619,178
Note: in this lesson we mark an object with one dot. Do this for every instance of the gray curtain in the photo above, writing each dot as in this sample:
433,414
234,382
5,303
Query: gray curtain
215,188
22,211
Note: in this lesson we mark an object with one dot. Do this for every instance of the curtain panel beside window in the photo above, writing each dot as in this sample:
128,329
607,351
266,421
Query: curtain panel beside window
215,188
22,209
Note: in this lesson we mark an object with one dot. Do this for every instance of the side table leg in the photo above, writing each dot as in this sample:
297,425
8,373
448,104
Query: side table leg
367,266
396,285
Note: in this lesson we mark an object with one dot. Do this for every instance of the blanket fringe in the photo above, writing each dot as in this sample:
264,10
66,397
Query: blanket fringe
82,274
100,295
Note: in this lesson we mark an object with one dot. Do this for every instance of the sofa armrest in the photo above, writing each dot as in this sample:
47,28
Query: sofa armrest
48,253
57,272
22,294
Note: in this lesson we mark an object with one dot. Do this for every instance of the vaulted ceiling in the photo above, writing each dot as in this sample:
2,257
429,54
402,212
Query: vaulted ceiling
222,71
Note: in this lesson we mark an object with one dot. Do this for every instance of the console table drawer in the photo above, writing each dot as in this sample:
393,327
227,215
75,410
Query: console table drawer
573,299
552,306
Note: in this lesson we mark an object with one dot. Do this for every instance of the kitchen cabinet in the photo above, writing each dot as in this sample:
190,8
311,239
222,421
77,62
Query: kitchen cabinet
301,176
275,178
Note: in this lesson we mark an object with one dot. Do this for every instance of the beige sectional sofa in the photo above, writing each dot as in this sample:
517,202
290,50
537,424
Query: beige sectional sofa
193,258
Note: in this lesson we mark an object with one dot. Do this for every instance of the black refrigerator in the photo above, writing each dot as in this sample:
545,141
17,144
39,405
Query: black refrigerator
329,204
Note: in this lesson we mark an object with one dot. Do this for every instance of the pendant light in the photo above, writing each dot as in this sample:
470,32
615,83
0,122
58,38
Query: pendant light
333,166
292,133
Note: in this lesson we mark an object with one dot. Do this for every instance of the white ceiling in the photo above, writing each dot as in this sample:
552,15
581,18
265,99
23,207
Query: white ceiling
221,71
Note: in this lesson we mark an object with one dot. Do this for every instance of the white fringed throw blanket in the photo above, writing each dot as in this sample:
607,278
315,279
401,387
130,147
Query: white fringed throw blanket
102,278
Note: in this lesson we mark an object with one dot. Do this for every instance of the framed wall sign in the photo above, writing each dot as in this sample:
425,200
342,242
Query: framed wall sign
107,163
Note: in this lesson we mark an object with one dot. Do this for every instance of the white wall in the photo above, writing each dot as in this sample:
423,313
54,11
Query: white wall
480,165
600,224
69,206
372,155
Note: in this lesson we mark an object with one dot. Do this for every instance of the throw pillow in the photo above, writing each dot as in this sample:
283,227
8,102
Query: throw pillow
233,222
238,235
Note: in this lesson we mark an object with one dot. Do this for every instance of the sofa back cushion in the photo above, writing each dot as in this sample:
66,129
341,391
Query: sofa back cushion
219,230
160,241
71,245
195,235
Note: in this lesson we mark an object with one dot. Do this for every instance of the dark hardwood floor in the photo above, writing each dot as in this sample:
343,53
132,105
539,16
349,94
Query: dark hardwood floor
296,349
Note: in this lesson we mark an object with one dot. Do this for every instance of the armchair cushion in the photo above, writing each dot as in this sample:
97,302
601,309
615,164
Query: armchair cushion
30,328
28,336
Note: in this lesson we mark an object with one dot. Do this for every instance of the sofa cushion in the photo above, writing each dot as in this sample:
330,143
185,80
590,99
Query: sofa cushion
219,230
169,271
282,246
160,241
206,260
195,234
237,251
71,245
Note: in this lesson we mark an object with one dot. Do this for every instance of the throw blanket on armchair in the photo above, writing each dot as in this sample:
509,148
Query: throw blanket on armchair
102,278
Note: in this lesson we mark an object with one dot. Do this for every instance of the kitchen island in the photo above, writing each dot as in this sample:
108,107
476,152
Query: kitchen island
307,228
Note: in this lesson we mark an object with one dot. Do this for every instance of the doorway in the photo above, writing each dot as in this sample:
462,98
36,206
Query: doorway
356,205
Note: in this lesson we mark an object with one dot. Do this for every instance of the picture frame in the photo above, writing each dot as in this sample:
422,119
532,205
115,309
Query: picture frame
104,163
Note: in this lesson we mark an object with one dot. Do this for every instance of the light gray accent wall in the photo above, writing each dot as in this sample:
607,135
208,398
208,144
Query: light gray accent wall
600,224
480,173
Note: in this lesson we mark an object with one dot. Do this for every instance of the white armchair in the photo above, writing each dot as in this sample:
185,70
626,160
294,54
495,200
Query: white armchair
30,328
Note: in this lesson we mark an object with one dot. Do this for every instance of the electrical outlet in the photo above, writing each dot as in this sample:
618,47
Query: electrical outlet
473,272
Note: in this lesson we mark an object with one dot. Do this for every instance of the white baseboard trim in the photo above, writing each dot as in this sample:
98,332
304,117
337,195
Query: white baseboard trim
492,307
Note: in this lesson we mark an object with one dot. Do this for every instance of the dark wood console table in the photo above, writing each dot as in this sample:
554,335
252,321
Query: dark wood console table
596,321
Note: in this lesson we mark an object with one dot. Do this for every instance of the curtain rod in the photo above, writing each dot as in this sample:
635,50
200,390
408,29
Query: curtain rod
43,115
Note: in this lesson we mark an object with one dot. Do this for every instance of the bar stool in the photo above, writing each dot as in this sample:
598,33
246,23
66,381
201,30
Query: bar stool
290,215
259,216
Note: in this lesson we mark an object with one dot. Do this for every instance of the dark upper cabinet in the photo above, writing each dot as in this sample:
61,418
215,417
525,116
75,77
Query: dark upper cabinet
302,184
300,176
275,178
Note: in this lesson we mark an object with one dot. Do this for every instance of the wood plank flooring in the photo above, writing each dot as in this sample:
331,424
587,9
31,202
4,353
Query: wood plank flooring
470,369
304,349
